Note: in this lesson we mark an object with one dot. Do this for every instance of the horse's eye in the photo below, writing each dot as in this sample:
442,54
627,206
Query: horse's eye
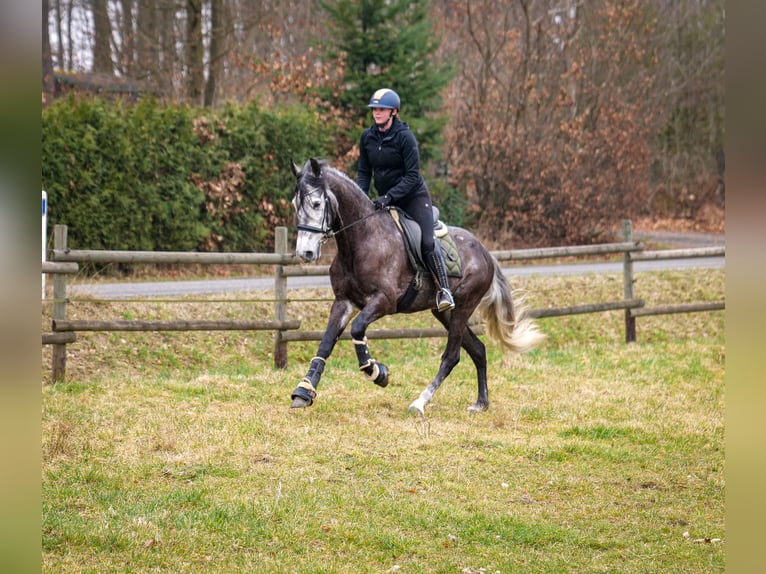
316,204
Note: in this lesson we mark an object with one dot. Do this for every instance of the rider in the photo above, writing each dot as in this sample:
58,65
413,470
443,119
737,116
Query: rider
389,151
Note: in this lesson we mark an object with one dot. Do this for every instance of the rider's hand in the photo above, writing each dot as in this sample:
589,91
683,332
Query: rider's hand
381,202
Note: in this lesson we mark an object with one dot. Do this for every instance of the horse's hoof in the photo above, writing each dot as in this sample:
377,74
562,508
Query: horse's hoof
300,403
478,408
417,408
382,379
302,398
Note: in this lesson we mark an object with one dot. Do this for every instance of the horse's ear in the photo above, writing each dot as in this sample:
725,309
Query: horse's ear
296,169
316,167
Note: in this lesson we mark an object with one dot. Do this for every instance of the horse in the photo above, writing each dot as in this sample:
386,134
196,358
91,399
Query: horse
371,273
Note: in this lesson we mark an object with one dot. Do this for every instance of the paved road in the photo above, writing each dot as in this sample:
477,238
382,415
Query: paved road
130,290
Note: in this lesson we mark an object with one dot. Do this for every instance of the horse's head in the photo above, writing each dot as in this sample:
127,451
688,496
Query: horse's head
313,209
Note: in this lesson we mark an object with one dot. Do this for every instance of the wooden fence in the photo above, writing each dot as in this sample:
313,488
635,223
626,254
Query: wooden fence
64,261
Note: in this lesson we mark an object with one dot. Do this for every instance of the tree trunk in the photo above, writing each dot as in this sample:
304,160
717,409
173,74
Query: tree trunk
217,49
48,83
167,54
147,42
102,36
60,34
194,51
127,59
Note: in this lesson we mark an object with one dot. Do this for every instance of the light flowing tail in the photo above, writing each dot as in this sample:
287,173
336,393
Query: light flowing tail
506,319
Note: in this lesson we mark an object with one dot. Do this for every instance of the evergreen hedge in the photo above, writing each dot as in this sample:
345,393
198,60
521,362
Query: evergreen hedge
169,177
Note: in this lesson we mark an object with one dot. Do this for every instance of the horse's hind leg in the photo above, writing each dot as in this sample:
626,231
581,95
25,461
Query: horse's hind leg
305,393
478,353
451,357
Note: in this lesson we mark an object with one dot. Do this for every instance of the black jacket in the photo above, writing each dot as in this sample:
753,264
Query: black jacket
392,159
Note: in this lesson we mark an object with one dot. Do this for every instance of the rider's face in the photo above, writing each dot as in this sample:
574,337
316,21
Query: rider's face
382,116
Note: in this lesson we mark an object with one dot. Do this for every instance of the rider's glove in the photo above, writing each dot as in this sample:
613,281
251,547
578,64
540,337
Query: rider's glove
381,202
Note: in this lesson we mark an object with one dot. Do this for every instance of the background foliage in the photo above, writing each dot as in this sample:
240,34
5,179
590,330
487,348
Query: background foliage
540,121
165,176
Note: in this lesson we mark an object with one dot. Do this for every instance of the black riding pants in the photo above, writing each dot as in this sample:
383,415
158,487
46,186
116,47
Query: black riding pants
418,207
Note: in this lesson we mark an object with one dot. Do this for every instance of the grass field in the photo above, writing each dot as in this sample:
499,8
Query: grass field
177,452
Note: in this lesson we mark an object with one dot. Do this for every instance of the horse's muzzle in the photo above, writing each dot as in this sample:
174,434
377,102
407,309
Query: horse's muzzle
308,256
308,246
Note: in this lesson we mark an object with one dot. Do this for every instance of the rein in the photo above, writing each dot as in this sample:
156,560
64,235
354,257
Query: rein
330,233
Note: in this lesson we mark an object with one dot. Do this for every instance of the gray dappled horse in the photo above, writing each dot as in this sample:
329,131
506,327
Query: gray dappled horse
372,272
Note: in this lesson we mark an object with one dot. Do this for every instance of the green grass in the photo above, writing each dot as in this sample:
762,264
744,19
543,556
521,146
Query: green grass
178,451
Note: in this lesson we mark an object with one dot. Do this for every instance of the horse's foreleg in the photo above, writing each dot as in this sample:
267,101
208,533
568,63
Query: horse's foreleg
375,371
306,391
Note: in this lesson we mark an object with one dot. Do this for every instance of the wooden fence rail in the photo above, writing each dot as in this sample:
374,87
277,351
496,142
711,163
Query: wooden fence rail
64,261
88,256
174,325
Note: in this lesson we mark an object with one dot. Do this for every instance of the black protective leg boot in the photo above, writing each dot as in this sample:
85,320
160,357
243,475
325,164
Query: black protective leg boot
444,300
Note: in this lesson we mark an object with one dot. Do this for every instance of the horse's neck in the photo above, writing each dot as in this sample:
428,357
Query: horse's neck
353,206
352,203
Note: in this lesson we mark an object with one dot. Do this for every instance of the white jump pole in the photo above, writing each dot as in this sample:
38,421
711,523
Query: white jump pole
44,236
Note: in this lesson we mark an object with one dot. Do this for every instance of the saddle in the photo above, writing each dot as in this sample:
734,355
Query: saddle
411,236
412,240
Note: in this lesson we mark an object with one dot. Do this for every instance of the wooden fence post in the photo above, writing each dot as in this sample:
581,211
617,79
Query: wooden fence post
627,280
280,296
58,367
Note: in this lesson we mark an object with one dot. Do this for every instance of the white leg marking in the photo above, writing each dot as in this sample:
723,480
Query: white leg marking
419,404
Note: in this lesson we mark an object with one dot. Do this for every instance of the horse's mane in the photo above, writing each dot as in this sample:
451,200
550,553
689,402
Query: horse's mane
310,182
343,176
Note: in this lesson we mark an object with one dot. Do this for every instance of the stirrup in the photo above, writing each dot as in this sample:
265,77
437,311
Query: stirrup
444,301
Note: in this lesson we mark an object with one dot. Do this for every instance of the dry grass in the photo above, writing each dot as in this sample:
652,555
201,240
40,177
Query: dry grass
178,452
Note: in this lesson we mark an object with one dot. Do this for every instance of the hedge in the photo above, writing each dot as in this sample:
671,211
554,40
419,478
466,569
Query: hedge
166,177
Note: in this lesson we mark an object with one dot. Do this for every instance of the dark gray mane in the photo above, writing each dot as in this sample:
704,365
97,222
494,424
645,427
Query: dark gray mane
310,181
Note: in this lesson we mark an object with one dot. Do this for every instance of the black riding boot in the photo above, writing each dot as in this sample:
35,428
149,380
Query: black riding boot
444,300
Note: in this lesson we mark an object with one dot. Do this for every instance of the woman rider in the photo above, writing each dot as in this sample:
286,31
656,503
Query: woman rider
388,153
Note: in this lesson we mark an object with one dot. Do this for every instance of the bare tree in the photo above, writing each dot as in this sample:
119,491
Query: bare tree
48,82
63,53
126,46
689,164
219,32
550,120
168,59
102,38
194,51
147,43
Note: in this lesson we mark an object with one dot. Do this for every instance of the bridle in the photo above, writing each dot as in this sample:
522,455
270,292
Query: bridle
325,230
